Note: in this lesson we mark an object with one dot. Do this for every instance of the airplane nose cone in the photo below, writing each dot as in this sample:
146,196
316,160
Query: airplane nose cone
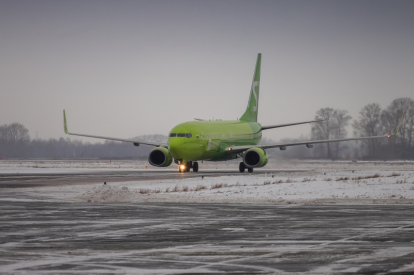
175,145
184,148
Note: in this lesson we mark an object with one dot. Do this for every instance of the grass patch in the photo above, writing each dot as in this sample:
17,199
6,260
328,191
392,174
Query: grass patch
144,191
376,176
394,175
199,187
218,185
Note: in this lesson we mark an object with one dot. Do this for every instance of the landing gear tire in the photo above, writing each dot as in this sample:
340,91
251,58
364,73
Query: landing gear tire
195,166
250,170
242,167
184,169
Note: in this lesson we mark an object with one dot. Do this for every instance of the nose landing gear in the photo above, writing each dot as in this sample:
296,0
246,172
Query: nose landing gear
186,167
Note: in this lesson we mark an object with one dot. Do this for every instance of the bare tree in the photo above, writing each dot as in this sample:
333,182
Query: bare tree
13,140
369,124
324,129
402,145
341,120
3,140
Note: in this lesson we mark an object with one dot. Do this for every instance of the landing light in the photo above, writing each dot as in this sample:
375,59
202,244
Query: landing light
182,167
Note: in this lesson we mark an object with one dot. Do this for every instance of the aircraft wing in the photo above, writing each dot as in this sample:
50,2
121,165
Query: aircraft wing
282,146
135,142
309,144
288,124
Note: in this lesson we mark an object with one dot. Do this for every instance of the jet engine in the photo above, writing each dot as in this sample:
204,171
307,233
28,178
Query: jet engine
160,157
255,157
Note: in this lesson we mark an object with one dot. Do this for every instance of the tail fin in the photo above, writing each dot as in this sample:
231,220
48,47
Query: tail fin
253,105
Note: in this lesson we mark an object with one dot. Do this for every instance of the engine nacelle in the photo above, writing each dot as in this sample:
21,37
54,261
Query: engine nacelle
255,157
160,157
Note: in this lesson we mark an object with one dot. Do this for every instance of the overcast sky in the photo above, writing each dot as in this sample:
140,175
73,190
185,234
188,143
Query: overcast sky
128,68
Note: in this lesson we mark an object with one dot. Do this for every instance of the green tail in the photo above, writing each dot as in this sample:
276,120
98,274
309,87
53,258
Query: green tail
253,105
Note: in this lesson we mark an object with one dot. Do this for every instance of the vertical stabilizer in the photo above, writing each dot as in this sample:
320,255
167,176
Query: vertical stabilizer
253,104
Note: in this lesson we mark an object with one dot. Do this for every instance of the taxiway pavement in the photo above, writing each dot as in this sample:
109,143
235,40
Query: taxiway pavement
41,237
19,180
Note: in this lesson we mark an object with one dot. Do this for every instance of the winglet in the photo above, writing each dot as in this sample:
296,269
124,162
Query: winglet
398,126
65,125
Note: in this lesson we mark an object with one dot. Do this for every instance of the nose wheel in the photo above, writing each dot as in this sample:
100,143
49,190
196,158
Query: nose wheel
183,168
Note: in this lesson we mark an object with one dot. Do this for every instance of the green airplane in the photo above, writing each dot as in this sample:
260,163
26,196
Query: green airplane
218,140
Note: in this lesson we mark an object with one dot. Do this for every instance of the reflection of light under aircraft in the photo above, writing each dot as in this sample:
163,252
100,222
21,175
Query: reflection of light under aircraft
219,140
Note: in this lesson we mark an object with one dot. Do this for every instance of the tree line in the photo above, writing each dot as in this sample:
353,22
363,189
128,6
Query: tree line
15,140
372,121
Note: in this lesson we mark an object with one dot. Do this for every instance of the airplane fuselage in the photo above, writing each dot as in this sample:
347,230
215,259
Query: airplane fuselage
207,140
219,140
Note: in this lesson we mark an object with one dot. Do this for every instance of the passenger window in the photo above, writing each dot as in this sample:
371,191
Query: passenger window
173,135
189,135
180,135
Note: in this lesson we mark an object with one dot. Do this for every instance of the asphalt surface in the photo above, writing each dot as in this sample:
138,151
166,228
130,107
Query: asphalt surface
43,236
40,237
53,179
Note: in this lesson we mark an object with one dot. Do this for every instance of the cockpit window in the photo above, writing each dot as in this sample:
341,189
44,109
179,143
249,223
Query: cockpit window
187,135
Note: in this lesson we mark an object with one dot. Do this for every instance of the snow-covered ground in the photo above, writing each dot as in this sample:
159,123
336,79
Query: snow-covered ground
74,166
305,187
324,182
68,166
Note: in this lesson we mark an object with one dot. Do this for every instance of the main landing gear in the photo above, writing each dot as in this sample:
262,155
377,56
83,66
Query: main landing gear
195,166
243,167
186,167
